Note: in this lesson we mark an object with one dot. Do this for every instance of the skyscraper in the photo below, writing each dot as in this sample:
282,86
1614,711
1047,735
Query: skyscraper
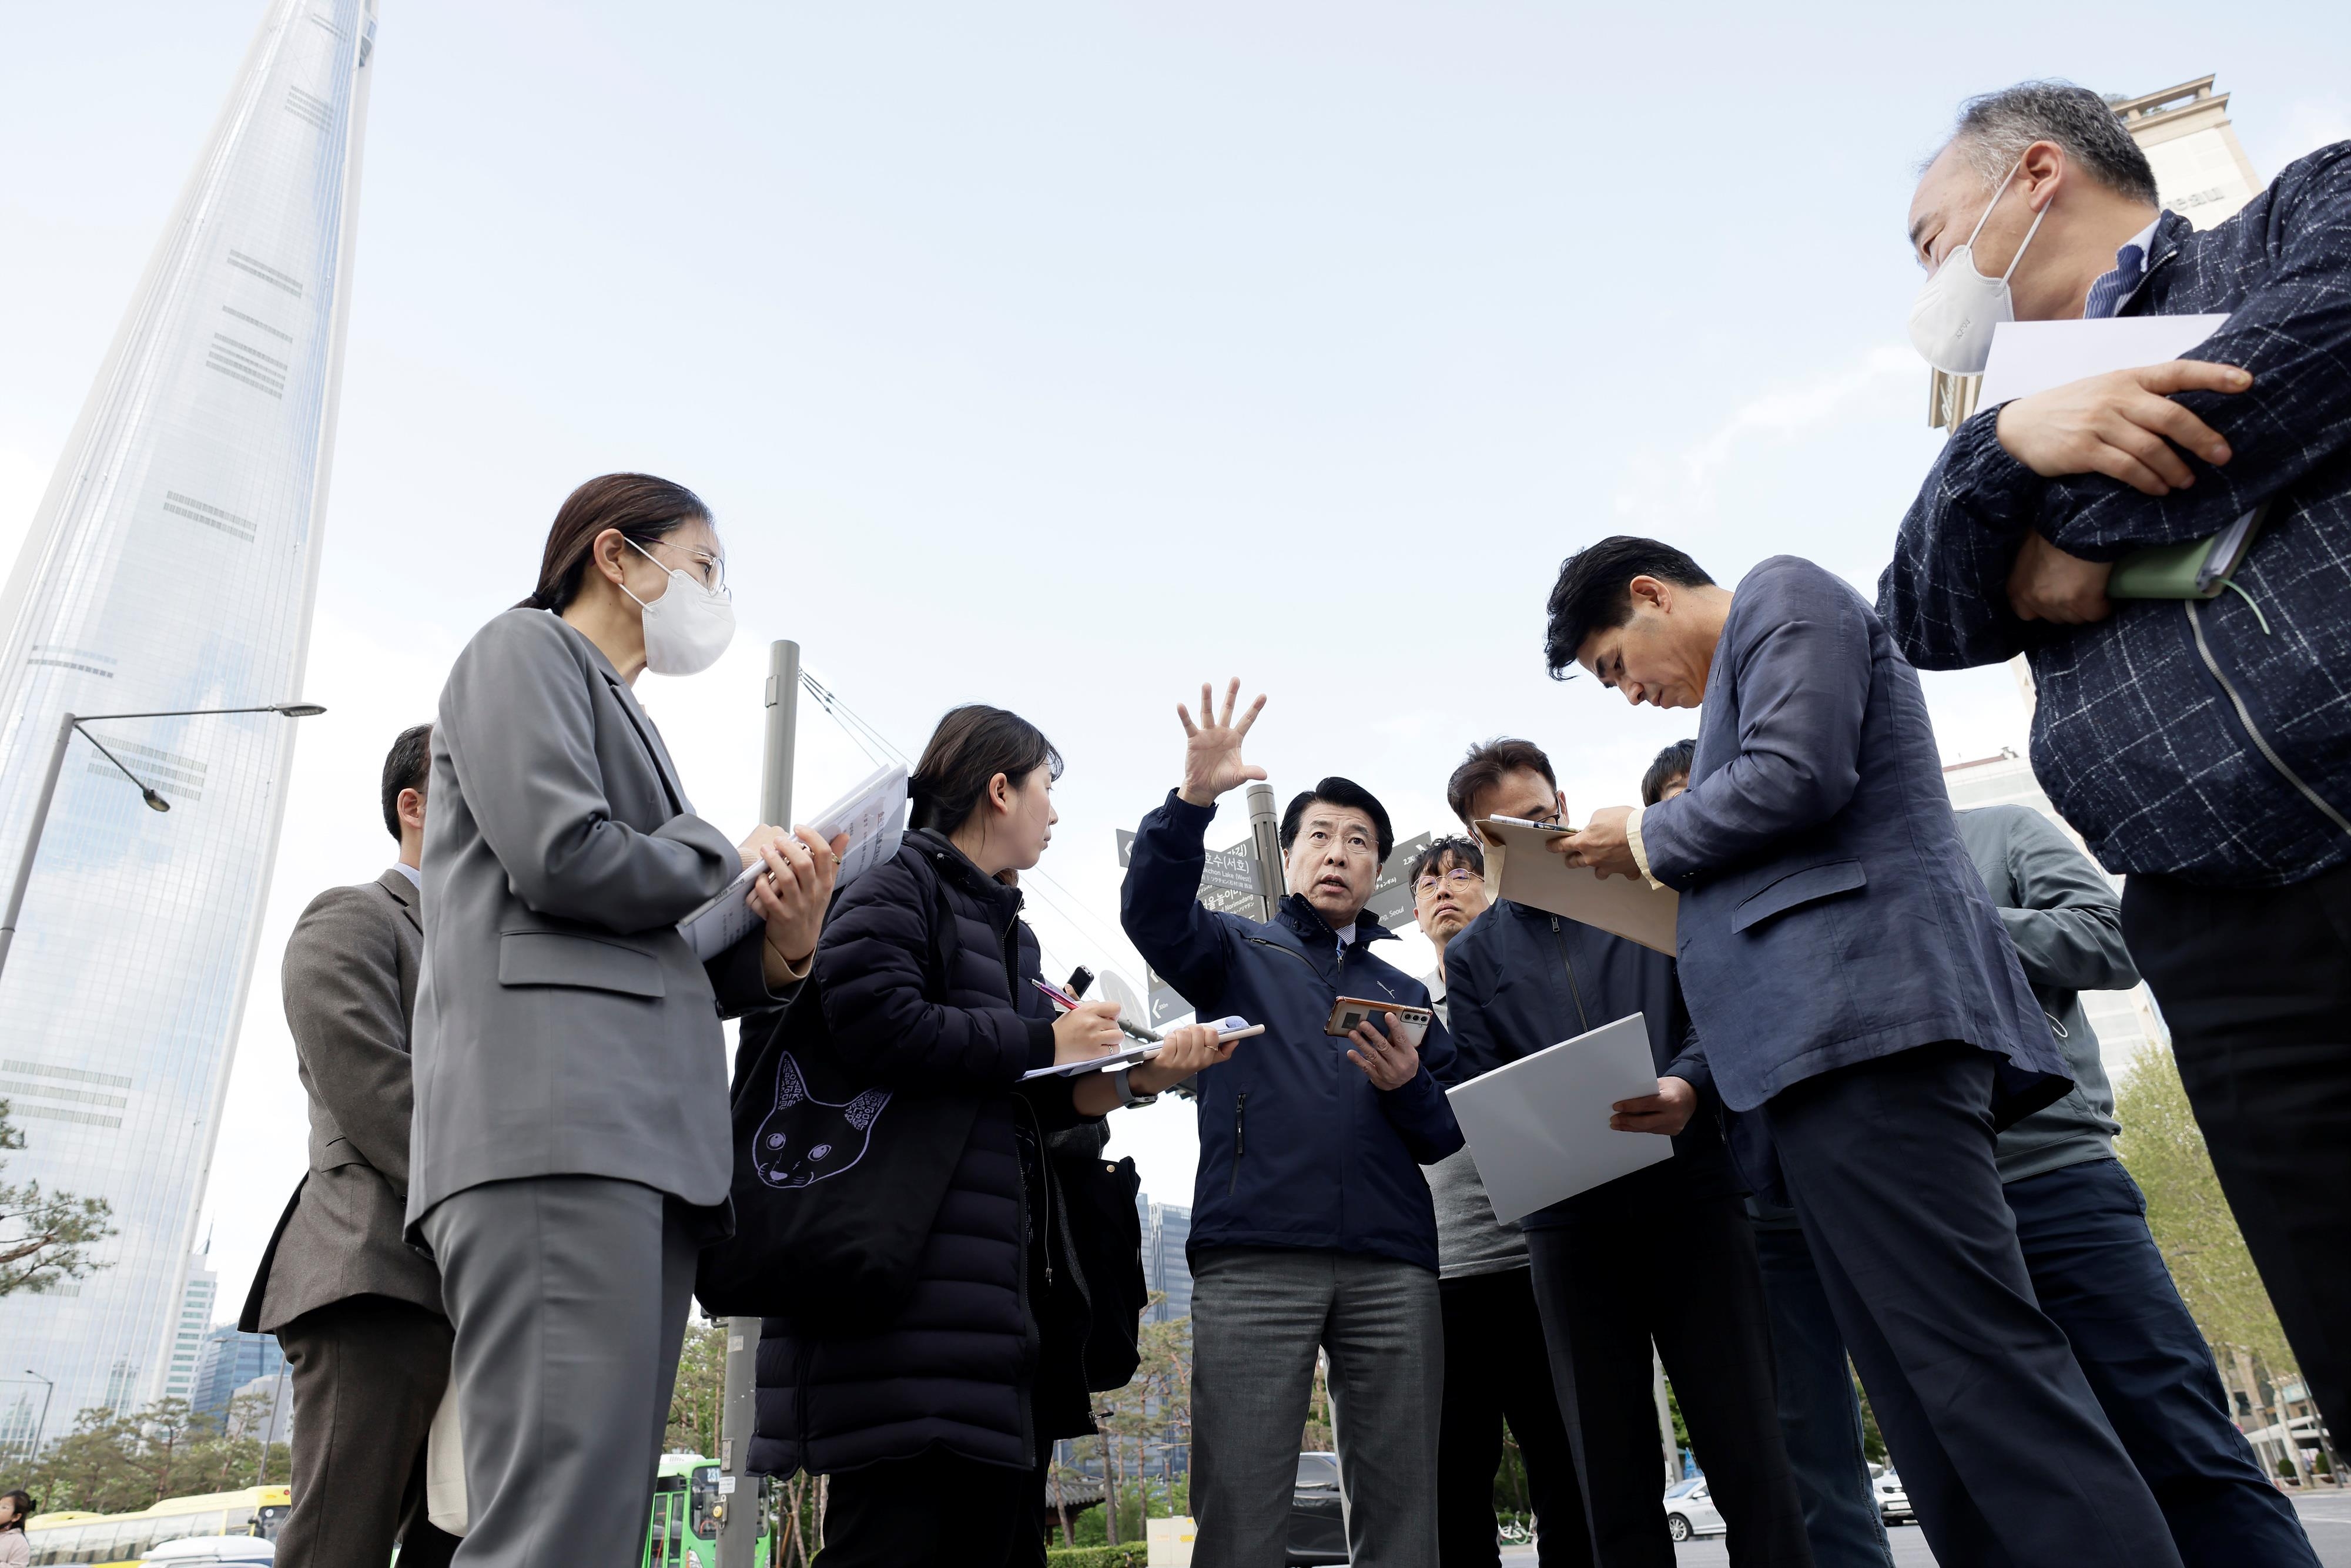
172,565
196,1299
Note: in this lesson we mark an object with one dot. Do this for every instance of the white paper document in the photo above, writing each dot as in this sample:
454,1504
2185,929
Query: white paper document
1518,868
1127,1058
2029,357
873,815
1539,1126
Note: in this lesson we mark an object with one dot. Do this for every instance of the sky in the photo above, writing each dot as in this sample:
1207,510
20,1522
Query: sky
1065,356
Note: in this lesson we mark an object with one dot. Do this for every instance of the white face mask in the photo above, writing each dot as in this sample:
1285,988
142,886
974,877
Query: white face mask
688,626
1952,319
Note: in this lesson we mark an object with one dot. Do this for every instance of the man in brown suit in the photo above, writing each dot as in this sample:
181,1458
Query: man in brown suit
359,1312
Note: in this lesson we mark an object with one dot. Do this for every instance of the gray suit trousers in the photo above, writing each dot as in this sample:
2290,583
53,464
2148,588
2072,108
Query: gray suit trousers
569,1295
1259,1315
368,1371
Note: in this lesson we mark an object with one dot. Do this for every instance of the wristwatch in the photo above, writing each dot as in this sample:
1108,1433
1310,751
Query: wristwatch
1127,1098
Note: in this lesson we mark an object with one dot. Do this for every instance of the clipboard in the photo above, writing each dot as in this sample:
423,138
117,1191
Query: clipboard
1539,1126
1518,868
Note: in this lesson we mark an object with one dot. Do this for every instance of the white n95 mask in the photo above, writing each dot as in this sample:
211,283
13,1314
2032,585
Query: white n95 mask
1952,320
688,626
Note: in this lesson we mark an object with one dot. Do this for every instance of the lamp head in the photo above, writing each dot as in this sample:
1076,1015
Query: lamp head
300,710
154,802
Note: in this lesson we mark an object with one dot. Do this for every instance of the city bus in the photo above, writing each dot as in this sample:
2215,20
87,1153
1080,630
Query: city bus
124,1538
684,1531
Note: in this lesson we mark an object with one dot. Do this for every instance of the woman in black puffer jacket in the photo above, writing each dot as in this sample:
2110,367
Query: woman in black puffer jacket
934,1426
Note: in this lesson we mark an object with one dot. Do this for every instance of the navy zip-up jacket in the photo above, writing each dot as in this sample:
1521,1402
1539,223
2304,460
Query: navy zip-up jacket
1297,1148
2183,738
1520,979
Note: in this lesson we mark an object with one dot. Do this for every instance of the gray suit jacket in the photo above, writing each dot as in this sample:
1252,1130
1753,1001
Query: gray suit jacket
563,1027
1829,914
349,980
2066,920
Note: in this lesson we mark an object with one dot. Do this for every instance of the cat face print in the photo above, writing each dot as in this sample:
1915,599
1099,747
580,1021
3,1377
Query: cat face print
804,1139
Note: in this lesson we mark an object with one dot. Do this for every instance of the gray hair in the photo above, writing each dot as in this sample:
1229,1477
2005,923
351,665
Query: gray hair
1995,128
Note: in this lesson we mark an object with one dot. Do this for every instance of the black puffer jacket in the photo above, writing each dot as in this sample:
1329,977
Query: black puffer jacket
984,1359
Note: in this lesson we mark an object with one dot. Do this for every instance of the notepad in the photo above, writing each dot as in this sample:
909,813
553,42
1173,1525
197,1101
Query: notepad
1539,1126
1518,868
2030,356
872,814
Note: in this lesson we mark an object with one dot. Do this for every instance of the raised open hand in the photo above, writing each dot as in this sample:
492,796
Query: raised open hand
1212,748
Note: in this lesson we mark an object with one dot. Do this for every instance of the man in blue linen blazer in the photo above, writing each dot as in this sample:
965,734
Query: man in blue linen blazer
1858,999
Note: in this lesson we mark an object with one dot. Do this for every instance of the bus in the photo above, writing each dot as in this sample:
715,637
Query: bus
121,1538
685,1529
683,1533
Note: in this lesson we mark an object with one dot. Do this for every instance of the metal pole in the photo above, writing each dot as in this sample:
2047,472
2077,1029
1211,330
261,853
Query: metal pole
783,730
1265,844
739,1491
33,838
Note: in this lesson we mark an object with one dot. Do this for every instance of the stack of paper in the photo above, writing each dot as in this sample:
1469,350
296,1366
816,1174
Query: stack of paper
1518,868
873,815
1539,1126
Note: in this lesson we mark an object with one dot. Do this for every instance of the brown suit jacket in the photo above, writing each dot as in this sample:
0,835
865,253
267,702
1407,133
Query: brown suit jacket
349,980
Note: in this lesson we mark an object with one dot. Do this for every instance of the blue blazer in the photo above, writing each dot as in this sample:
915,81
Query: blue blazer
1829,912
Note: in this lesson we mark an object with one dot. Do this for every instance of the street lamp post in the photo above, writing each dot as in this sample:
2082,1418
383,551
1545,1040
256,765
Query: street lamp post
66,725
40,1429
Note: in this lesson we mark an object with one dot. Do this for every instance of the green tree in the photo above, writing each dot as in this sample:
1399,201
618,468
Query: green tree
120,1463
2190,1218
46,1238
696,1401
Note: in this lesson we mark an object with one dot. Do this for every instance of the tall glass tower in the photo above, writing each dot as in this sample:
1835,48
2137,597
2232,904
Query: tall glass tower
173,564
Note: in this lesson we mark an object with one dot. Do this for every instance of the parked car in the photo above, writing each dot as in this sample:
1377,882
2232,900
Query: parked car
1893,1502
1690,1511
204,1550
1318,1529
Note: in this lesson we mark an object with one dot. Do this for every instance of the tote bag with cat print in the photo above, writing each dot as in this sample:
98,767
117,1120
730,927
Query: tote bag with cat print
837,1181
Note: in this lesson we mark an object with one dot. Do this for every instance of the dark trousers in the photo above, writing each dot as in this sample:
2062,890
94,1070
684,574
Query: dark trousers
2255,984
2000,1443
367,1373
1637,1262
2097,1271
1496,1370
935,1510
1819,1413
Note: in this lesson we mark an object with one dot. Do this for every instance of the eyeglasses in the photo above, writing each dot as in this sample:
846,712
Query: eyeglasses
1459,877
714,567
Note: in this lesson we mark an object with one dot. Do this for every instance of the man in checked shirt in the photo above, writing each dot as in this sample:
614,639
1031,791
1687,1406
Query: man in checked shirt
2202,747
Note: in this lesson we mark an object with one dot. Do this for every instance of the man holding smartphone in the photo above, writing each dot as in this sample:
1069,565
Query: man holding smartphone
1312,1225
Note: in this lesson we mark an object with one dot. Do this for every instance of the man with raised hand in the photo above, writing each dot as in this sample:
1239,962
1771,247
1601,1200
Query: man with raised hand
1311,1225
2201,749
1855,995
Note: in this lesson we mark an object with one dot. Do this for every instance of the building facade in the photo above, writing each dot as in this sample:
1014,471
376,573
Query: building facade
172,565
1166,1272
196,1299
228,1361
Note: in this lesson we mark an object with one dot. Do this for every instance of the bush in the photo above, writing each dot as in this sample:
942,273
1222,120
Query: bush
1095,1557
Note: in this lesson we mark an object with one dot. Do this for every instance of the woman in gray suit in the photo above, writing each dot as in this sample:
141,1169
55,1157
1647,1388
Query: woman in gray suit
570,1152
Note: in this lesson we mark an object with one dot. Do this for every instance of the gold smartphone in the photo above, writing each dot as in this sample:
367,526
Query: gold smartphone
1348,1012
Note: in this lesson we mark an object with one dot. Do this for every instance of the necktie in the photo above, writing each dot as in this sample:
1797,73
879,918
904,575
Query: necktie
2107,294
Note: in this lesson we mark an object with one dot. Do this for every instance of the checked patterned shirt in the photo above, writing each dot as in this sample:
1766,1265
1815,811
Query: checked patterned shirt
2137,736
